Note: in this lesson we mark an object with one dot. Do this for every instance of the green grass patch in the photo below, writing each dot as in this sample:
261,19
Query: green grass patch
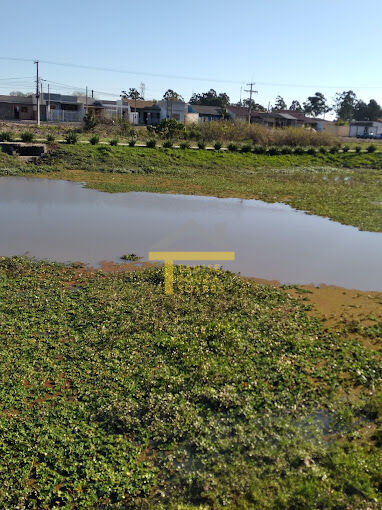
115,395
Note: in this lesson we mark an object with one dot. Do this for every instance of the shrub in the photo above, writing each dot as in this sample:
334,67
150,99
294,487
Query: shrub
94,140
286,150
259,149
6,136
132,142
167,144
312,151
273,151
168,128
323,150
114,141
371,148
358,149
334,149
50,138
184,145
89,121
201,144
151,143
217,146
232,147
299,151
246,147
71,137
345,148
27,136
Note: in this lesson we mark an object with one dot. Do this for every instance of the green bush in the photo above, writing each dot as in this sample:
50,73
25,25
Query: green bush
334,149
299,151
217,146
167,144
50,138
286,150
132,142
274,151
345,148
323,150
94,140
246,147
201,144
114,141
151,143
27,136
259,149
312,151
358,149
71,137
184,145
232,147
90,121
6,136
371,148
169,128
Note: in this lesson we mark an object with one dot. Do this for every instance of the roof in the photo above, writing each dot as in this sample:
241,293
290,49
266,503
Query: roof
141,104
207,110
16,99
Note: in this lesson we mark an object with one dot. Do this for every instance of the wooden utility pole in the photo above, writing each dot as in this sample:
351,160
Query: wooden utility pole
251,91
37,93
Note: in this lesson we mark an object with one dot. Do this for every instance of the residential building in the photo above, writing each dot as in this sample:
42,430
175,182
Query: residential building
206,113
149,112
172,109
365,128
17,107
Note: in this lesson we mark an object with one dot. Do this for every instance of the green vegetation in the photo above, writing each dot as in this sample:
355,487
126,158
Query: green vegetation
27,136
131,257
115,395
346,187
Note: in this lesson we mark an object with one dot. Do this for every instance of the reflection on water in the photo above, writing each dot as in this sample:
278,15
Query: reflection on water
62,221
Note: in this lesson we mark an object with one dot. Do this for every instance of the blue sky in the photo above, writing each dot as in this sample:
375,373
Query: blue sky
288,47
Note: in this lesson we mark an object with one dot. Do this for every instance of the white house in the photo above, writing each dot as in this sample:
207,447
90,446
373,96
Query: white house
365,127
172,109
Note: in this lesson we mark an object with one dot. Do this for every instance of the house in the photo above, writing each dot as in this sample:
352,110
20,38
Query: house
149,112
108,109
206,113
62,108
172,109
18,108
365,127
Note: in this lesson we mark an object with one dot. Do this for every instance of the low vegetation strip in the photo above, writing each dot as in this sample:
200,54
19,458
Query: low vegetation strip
345,187
115,395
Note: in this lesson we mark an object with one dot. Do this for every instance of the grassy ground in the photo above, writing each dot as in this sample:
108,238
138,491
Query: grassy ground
344,187
115,395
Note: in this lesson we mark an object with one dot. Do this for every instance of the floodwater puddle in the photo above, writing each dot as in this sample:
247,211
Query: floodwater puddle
64,221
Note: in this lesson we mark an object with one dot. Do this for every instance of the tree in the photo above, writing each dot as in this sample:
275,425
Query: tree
254,106
295,106
374,110
170,96
210,98
18,93
371,111
280,104
316,105
344,105
132,94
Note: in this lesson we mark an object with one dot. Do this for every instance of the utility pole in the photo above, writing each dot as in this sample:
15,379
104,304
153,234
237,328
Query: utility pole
37,93
86,103
48,101
251,91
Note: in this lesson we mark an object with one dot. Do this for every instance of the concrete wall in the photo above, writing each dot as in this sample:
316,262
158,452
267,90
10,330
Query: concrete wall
191,118
333,129
359,129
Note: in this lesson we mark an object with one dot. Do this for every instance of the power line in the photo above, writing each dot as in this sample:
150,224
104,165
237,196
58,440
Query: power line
194,78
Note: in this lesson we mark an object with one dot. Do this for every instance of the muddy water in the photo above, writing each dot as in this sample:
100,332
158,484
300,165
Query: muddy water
62,221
